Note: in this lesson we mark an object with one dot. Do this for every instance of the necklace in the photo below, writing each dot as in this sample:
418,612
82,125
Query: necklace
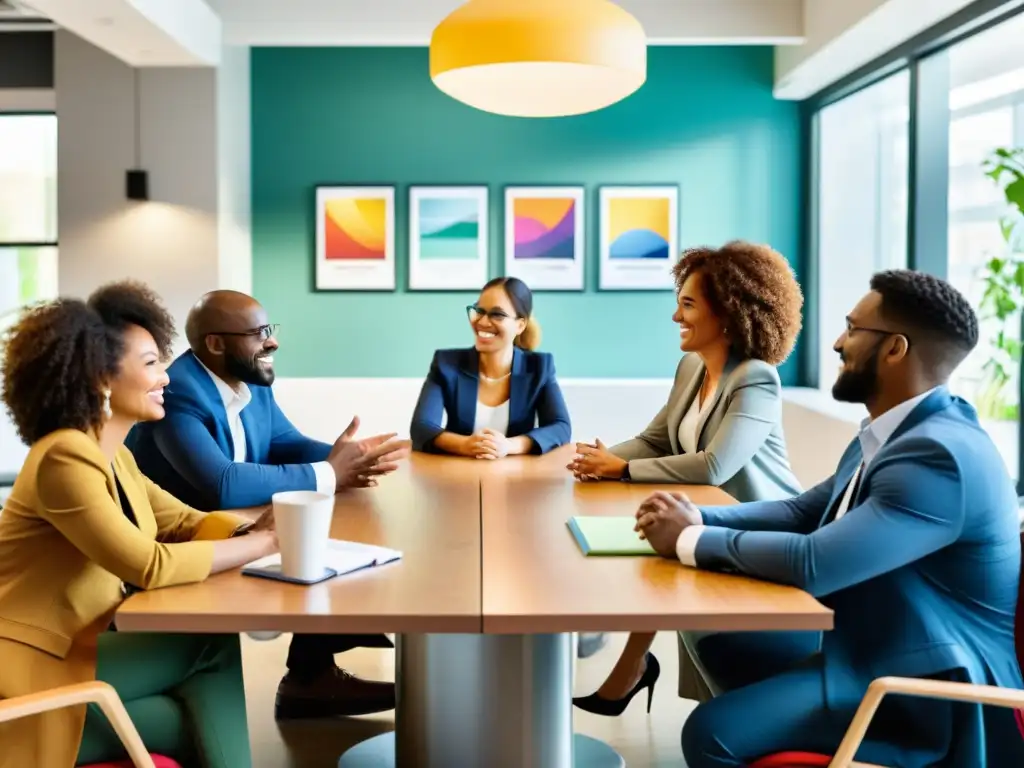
491,379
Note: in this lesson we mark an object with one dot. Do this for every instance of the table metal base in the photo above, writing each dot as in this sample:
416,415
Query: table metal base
500,701
379,752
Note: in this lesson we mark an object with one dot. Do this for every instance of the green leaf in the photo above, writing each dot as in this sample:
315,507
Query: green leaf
1014,192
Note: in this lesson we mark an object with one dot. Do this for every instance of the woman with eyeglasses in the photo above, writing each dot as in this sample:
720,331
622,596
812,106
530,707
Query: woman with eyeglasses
500,396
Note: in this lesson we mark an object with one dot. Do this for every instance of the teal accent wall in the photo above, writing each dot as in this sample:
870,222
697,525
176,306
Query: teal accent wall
705,119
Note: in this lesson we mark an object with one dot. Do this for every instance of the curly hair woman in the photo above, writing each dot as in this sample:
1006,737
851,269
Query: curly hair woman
738,315
83,527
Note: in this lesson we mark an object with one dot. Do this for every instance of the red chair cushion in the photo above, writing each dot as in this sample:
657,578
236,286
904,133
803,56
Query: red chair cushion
793,760
158,760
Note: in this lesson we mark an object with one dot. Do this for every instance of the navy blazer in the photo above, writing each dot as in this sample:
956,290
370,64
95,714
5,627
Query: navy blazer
922,572
190,453
536,407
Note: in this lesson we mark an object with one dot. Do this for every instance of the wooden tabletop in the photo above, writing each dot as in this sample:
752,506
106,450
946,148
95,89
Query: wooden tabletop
424,510
536,579
485,548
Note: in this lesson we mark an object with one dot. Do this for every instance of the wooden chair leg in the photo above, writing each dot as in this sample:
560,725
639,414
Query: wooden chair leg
99,693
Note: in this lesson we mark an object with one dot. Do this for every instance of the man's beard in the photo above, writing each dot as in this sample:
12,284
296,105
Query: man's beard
861,384
249,371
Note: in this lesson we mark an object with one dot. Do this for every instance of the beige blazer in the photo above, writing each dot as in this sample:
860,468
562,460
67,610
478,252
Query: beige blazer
66,548
740,445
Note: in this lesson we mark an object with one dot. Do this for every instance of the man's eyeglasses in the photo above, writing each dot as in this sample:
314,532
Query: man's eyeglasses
495,315
264,332
851,328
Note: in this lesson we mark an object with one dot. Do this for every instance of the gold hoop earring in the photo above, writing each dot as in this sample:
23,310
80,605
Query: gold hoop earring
107,411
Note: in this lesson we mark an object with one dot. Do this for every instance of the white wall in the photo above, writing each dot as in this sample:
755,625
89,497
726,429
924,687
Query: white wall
817,430
170,242
193,130
233,164
844,35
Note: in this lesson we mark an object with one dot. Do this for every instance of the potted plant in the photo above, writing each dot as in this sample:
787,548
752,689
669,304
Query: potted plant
1003,296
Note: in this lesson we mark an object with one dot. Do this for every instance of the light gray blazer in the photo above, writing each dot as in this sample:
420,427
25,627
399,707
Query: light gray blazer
740,445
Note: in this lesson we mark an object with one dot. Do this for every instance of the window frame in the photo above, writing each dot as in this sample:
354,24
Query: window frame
54,243
926,58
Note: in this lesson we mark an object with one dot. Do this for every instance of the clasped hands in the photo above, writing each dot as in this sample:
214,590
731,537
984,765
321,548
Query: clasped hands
596,462
486,444
662,517
358,463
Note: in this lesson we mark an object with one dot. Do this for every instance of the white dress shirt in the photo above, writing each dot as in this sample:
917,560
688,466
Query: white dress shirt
491,417
688,426
872,436
235,402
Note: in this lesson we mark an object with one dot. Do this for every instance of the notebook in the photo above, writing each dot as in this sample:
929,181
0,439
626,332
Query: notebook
608,536
342,557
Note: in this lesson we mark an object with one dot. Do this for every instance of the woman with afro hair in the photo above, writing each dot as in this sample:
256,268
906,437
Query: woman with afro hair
739,315
83,527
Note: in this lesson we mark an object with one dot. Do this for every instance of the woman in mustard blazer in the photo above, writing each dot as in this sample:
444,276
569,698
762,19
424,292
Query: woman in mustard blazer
83,527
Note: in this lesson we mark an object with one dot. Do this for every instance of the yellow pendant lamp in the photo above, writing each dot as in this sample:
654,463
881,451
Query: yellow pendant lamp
538,58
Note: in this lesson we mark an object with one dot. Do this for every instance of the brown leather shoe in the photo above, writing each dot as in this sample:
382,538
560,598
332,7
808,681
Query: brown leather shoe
336,693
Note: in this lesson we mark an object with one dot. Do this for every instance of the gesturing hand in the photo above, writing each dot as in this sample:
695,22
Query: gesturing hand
662,517
358,463
596,461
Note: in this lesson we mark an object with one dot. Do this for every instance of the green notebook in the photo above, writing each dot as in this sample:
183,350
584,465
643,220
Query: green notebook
608,536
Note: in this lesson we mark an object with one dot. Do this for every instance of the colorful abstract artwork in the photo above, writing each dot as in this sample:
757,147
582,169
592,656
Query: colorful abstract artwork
545,227
355,228
447,238
639,237
544,236
638,227
355,238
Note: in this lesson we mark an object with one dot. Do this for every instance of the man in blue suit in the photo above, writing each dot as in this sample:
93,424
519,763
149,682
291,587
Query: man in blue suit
224,444
914,543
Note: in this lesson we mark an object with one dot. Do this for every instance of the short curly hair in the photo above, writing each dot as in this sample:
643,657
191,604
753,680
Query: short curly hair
752,290
58,355
937,318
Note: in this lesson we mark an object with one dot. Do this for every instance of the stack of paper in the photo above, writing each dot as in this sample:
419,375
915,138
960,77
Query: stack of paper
343,556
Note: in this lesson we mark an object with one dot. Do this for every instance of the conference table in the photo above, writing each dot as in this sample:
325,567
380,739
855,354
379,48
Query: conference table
484,603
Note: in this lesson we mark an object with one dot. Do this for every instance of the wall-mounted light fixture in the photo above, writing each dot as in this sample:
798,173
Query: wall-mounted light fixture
136,179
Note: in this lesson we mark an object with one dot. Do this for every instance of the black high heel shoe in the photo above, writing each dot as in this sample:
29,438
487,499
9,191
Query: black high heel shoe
615,707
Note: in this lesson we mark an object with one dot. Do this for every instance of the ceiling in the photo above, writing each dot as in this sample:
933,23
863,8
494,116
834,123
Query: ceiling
817,41
15,16
410,22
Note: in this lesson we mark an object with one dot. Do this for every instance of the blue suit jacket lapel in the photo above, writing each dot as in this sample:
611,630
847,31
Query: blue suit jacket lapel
209,391
937,401
844,476
519,385
467,381
251,424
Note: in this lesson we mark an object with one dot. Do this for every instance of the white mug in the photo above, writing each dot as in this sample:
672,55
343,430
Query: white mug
303,522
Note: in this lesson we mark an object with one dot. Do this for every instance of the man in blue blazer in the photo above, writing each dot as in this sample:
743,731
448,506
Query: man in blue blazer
914,543
224,444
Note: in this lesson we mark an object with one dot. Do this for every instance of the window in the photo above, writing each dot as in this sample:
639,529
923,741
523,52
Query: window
28,211
863,156
986,102
28,234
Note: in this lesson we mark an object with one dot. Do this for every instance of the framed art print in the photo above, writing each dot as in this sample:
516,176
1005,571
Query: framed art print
355,238
448,238
639,241
544,237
